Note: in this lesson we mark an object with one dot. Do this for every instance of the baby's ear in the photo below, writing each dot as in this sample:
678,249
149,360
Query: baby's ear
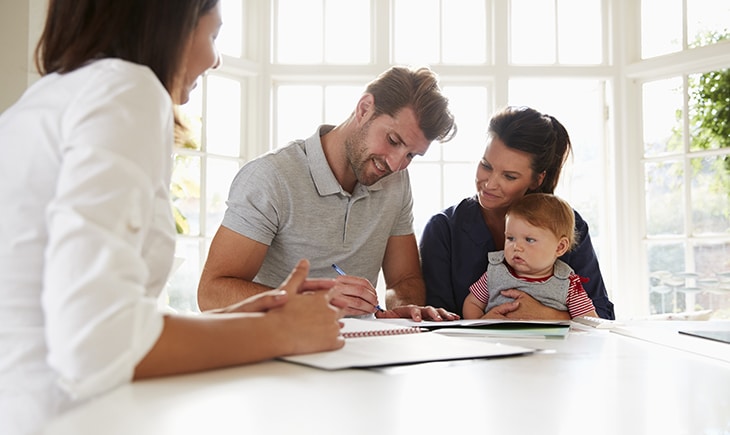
563,246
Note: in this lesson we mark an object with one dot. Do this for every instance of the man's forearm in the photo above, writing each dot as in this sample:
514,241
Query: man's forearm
411,291
222,292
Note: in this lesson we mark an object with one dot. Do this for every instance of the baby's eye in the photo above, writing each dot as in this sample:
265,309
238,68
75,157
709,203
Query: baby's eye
530,240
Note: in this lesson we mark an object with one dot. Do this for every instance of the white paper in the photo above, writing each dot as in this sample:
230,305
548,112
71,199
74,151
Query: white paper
403,349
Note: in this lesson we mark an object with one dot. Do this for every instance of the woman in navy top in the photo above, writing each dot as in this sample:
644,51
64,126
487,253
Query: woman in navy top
525,153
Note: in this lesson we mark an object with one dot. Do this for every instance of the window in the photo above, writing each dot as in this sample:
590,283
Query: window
686,150
439,31
202,173
570,32
687,180
683,24
206,161
658,213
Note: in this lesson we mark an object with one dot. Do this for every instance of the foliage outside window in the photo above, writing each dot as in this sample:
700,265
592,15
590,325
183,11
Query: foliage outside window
182,185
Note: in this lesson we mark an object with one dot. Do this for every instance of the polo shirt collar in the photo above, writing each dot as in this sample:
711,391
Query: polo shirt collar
324,179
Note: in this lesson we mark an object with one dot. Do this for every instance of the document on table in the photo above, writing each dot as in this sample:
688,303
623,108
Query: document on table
492,327
397,349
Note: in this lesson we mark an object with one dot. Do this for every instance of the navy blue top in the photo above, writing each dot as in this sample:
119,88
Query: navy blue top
454,248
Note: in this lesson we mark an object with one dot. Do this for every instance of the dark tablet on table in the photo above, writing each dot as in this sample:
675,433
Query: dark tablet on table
721,336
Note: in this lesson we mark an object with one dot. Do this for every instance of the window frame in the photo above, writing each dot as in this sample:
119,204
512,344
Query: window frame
622,69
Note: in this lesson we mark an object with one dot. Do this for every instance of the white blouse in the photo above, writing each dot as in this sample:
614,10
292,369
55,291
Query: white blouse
86,236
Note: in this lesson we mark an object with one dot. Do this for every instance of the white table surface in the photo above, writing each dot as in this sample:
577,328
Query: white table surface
593,382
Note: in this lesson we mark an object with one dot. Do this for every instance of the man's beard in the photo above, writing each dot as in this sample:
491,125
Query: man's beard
360,160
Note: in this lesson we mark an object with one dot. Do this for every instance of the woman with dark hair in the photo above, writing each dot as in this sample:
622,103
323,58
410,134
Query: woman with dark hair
525,153
87,232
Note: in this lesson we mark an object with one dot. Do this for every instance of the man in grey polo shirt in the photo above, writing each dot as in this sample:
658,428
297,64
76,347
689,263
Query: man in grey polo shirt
341,197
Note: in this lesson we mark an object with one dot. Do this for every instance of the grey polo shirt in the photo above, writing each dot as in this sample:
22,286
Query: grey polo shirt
290,200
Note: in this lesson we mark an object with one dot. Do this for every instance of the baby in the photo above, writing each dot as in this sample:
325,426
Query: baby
539,228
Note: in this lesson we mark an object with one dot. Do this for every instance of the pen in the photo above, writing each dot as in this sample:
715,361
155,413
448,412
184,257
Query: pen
342,272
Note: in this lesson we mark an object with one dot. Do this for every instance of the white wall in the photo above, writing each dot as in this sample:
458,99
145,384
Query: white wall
21,23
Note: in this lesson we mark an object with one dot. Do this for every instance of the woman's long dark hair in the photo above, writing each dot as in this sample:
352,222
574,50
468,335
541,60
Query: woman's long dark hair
147,32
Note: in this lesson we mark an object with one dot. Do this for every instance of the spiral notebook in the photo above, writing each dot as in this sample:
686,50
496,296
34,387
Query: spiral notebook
371,343
355,328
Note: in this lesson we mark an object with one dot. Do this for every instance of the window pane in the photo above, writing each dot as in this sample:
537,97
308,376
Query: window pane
661,27
299,31
426,186
666,268
710,190
662,119
459,182
464,31
666,256
185,192
666,260
223,121
469,106
664,183
347,31
191,114
703,285
709,110
182,288
713,271
580,32
416,31
298,112
529,18
229,39
219,175
434,153
340,102
706,20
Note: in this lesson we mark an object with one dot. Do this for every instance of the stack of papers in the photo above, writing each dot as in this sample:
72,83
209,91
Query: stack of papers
535,329
385,349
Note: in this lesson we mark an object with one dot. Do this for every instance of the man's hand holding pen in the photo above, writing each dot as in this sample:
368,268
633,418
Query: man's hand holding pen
356,296
362,299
